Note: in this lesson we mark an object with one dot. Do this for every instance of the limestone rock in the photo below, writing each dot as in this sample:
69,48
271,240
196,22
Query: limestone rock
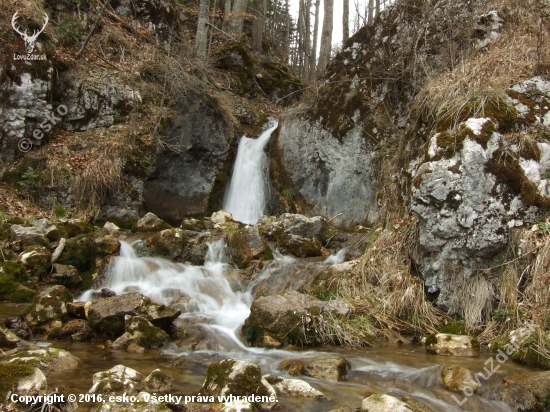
294,224
107,315
8,339
81,251
292,387
77,309
221,218
116,381
280,316
151,223
456,345
49,305
457,378
21,379
329,367
66,275
140,331
29,236
245,245
37,260
50,361
239,378
158,382
528,391
384,403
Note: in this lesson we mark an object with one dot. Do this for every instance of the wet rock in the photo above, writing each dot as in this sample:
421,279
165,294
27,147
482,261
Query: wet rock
74,227
239,378
8,339
134,348
140,331
107,293
178,363
292,387
168,242
49,305
77,330
50,361
192,224
29,236
221,219
158,382
66,275
77,309
37,259
82,250
19,327
151,223
117,381
21,379
11,274
458,378
245,245
415,405
384,403
107,315
528,391
329,367
280,317
456,345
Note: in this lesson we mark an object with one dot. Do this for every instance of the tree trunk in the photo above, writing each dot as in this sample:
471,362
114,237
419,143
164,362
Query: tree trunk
226,15
201,40
258,25
239,8
287,33
345,22
326,36
377,7
313,62
371,11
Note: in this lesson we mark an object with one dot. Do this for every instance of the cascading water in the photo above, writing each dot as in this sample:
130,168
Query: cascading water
246,196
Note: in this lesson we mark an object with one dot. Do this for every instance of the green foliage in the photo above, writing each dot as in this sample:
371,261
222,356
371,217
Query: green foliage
30,180
544,227
59,211
69,29
288,192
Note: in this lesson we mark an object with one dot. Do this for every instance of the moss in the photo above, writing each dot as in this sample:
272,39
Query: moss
450,143
17,271
455,327
268,254
10,375
485,134
74,228
431,340
22,294
529,150
505,116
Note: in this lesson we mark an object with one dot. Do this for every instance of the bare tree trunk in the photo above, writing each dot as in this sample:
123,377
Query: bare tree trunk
226,15
313,62
371,11
307,40
377,8
345,22
287,34
201,40
258,25
326,36
239,8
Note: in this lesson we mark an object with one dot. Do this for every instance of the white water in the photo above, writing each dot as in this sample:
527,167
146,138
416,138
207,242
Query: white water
246,196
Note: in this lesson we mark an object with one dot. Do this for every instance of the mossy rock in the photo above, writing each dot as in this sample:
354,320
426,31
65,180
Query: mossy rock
12,291
37,259
239,378
47,306
528,391
149,335
17,271
81,251
12,374
73,227
50,361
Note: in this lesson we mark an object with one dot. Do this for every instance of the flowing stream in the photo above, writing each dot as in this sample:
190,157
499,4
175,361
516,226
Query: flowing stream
214,300
246,197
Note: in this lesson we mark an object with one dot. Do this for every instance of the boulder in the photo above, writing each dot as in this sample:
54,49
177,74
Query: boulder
8,339
184,245
245,245
527,391
151,223
292,387
49,360
18,326
328,367
11,274
74,227
50,230
158,382
37,259
140,331
21,379
29,236
111,227
281,317
239,378
457,378
221,219
77,309
117,381
384,403
66,275
81,251
107,315
77,330
49,305
456,345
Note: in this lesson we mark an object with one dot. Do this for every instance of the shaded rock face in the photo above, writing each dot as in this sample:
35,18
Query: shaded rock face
527,391
107,315
281,317
183,183
456,345
158,14
329,367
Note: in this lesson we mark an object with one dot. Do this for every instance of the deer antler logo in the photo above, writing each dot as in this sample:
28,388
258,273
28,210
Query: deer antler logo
29,40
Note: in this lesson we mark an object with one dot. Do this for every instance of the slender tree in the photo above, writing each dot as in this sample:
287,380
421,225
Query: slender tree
313,62
345,22
258,24
201,39
371,11
326,36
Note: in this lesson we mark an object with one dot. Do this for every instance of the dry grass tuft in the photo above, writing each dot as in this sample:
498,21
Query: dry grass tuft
101,178
483,75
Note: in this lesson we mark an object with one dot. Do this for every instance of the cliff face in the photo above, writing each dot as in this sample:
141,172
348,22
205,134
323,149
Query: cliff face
419,115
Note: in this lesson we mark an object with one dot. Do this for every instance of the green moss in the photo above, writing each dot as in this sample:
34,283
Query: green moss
449,143
268,254
431,340
17,271
22,294
505,116
10,375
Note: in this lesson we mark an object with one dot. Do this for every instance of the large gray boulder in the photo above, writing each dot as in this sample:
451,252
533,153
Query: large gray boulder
151,223
452,345
107,315
281,317
192,179
29,236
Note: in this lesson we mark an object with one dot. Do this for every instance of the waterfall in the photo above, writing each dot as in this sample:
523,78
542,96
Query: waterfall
246,196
